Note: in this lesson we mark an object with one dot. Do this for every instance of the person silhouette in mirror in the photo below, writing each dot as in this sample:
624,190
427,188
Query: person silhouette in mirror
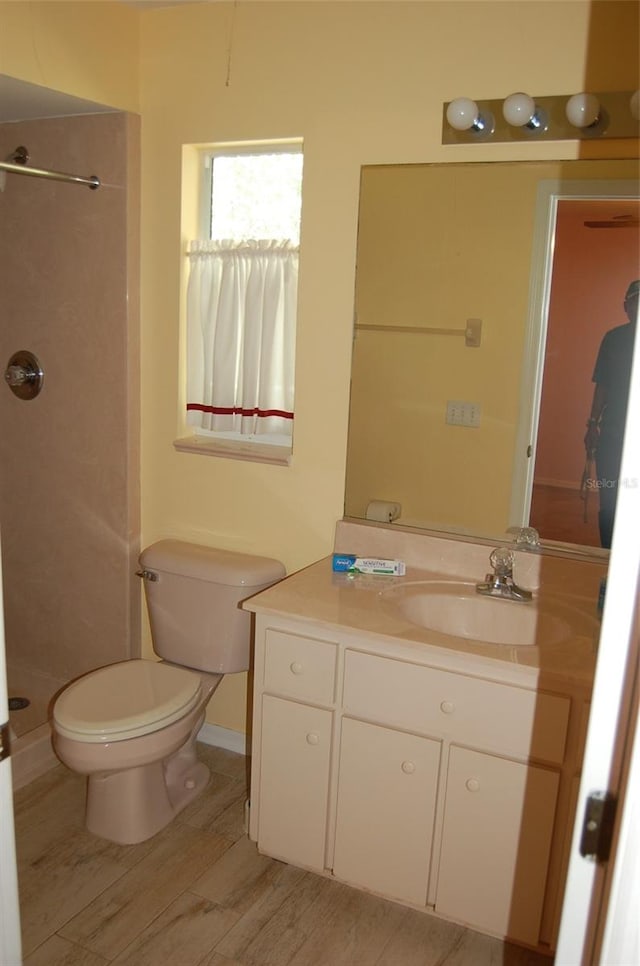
605,426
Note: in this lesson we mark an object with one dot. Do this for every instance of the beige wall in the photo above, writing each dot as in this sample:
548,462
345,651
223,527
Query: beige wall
89,49
361,83
69,488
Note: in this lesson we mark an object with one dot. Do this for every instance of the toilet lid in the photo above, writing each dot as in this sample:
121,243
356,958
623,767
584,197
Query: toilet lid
125,700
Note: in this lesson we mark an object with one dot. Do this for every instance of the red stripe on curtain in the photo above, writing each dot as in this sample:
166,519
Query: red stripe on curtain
236,410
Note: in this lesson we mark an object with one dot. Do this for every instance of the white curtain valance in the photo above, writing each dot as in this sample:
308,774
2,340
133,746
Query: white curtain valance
241,315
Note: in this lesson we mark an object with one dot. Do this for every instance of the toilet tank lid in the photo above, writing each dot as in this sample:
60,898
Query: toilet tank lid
211,564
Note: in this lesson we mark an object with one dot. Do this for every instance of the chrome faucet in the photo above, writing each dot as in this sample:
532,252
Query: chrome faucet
501,583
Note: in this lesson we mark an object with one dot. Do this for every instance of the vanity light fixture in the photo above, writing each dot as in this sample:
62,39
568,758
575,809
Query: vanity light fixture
463,114
583,110
560,117
520,110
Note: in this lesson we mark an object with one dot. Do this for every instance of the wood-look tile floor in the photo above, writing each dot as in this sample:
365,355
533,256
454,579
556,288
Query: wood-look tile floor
199,894
558,513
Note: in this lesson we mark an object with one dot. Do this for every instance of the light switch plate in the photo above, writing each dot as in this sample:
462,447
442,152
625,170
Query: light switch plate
461,413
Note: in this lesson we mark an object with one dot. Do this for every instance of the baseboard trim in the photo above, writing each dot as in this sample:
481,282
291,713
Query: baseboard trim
225,738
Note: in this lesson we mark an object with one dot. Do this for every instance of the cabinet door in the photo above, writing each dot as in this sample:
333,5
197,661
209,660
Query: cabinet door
498,824
294,782
386,802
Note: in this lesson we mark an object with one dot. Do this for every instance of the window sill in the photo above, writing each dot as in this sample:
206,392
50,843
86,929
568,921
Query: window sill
235,450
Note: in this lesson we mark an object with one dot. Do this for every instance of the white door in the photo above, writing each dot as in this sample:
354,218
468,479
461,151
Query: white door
10,950
612,745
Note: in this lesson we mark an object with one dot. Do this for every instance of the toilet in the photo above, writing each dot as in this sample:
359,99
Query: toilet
131,727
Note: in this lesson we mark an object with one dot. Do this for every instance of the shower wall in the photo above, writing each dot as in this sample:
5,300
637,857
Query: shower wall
69,460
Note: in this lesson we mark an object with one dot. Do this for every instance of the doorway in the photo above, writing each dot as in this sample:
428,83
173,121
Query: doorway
586,251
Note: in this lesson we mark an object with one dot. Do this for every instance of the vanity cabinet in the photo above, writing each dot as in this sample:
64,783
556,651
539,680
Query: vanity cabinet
387,784
295,727
496,841
296,743
391,768
497,813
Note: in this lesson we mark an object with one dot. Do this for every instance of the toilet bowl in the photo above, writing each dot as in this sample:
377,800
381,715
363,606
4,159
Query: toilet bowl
131,727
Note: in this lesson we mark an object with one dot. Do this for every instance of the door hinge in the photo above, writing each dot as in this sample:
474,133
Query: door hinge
597,826
5,741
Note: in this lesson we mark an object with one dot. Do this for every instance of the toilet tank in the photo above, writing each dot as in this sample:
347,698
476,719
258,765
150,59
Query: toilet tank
194,595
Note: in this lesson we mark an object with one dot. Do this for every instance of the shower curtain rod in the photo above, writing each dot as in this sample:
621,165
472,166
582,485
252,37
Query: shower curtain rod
18,165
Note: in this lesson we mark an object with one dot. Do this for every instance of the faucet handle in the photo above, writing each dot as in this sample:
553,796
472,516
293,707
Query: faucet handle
525,536
501,559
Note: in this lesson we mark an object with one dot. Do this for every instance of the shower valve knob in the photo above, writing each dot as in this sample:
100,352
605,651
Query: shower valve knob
17,375
24,375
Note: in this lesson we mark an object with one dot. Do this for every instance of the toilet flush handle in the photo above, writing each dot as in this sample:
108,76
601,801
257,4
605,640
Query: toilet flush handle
147,574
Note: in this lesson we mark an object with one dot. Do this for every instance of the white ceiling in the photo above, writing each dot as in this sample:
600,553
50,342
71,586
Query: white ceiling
20,101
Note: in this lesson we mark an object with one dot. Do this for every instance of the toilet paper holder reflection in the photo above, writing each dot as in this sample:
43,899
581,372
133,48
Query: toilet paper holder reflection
382,511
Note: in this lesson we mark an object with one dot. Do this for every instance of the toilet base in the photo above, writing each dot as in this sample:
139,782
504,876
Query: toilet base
131,806
136,786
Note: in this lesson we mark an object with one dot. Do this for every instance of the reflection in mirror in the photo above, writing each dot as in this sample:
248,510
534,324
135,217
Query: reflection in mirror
591,324
447,429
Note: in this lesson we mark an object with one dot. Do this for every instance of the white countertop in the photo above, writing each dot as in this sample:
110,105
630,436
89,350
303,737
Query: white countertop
358,604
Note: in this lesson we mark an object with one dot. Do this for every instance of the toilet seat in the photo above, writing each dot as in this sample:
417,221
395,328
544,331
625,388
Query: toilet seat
125,700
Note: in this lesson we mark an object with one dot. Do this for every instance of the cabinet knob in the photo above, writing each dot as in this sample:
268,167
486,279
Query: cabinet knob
447,707
473,785
408,767
295,667
313,738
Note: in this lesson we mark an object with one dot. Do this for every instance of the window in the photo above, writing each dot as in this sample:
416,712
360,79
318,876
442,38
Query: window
253,195
242,295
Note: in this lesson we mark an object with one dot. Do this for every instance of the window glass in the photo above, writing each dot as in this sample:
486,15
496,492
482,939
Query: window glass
256,196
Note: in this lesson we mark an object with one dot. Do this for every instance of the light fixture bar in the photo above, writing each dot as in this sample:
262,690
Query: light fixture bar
615,120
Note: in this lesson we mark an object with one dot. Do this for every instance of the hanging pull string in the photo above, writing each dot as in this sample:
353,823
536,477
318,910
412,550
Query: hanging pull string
227,82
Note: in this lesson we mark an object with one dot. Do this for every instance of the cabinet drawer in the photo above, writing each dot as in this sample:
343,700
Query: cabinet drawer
496,717
299,667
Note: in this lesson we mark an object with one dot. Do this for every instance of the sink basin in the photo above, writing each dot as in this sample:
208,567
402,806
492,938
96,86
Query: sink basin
456,609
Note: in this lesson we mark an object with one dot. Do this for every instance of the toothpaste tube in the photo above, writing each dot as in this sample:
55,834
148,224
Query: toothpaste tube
350,564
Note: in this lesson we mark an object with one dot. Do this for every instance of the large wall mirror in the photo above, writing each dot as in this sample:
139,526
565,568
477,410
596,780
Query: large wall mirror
479,438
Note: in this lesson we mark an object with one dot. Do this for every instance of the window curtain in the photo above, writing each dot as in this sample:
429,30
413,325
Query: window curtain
241,313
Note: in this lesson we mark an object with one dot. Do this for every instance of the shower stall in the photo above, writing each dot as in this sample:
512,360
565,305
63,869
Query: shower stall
69,454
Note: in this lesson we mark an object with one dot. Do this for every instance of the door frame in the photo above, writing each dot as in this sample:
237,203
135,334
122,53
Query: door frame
10,942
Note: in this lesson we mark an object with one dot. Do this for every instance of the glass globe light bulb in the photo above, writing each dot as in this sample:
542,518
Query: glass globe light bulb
518,109
582,110
463,114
